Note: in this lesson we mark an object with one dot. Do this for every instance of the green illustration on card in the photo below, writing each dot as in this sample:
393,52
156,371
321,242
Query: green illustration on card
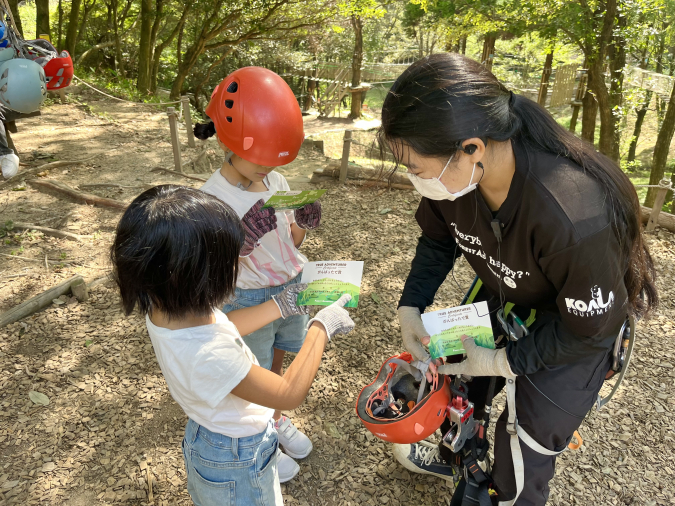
449,342
283,200
325,291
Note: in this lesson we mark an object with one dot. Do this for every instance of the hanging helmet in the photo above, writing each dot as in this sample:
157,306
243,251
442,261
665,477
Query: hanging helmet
4,41
59,71
257,116
22,85
400,406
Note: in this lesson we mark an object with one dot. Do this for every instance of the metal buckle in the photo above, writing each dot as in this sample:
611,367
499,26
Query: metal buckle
514,331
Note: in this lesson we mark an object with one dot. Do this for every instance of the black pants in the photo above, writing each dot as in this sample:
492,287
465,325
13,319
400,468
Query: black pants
574,388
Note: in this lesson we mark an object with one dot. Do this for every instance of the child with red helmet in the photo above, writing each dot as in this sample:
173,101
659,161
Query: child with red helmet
259,126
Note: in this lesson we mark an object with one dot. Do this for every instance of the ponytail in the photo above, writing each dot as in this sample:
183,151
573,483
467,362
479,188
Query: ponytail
204,130
445,98
539,130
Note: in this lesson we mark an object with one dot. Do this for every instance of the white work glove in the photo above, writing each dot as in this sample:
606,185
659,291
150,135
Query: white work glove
335,318
9,165
412,332
479,361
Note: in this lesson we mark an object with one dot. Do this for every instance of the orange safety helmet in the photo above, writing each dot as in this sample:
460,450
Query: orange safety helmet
257,116
391,408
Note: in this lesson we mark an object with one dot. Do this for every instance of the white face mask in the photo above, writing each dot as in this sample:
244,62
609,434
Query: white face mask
433,189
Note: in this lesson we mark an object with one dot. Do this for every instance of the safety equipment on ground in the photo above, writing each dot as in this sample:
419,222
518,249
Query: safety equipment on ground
22,85
257,116
287,303
399,406
335,318
412,332
59,71
9,164
256,222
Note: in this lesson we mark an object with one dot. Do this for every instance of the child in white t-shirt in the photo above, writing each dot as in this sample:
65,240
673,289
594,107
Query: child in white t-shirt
176,257
259,126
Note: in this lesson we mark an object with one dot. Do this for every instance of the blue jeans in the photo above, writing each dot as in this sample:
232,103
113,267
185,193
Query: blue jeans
225,471
287,335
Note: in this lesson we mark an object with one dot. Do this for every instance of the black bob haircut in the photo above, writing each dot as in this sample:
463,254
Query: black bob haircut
176,250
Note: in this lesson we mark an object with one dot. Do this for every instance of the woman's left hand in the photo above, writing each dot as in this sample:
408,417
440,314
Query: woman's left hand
287,300
308,217
479,361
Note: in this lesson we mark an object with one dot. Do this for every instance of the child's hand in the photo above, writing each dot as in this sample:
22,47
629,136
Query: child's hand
309,216
256,222
287,300
335,318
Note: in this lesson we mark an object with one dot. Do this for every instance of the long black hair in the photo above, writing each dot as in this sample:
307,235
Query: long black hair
177,250
446,98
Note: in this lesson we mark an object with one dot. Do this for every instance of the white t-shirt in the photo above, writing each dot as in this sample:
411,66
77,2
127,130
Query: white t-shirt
275,260
201,366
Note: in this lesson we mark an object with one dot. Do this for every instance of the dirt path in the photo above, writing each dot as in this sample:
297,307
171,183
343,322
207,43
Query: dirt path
111,424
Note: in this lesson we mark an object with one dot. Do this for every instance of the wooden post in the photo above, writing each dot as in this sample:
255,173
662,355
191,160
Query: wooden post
658,204
188,120
577,102
346,147
175,143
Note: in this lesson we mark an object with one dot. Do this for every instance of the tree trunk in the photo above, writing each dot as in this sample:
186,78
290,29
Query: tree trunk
462,45
71,32
661,149
189,60
14,7
42,18
60,43
617,62
545,77
596,77
638,126
488,51
590,112
357,60
85,18
640,113
143,83
119,62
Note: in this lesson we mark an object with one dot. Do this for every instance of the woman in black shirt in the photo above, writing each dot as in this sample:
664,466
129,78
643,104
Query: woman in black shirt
547,223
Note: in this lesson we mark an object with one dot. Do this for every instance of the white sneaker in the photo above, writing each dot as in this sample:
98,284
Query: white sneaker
295,443
286,467
423,458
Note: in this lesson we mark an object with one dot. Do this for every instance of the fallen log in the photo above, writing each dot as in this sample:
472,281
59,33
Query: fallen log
62,189
38,302
367,177
47,231
666,220
176,173
356,172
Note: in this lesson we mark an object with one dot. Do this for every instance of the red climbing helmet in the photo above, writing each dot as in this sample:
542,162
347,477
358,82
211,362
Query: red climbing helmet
400,406
257,116
59,71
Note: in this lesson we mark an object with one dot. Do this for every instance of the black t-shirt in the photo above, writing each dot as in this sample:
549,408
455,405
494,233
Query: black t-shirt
559,254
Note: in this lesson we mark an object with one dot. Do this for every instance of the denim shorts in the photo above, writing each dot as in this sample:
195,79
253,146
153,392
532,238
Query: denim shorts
225,471
282,334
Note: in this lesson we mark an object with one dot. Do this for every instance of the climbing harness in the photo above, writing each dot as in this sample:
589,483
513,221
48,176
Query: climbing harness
515,328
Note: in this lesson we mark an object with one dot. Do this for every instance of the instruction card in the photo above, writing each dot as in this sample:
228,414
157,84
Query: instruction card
447,326
328,281
292,199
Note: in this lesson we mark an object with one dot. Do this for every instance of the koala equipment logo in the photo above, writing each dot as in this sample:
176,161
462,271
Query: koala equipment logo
596,306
